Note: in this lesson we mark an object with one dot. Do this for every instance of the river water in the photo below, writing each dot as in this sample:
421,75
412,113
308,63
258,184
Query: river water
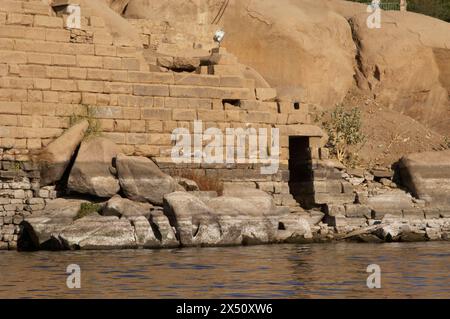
416,270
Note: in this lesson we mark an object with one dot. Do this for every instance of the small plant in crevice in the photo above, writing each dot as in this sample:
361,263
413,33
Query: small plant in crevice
447,142
16,167
344,129
94,128
87,209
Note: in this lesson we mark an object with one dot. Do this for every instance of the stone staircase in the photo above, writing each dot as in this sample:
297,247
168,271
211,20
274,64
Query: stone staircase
50,73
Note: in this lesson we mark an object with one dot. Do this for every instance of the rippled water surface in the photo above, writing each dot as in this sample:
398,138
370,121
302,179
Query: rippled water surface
288,271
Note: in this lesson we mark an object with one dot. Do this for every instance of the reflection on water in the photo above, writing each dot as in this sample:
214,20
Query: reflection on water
302,271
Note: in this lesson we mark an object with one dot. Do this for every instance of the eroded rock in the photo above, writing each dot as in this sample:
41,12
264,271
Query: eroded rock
93,167
56,157
141,179
123,207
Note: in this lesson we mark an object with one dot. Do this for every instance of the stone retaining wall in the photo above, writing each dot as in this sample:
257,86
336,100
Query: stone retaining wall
20,194
49,74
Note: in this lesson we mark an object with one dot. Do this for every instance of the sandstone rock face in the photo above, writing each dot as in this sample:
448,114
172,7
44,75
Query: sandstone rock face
142,180
91,173
427,176
295,45
55,158
123,207
414,89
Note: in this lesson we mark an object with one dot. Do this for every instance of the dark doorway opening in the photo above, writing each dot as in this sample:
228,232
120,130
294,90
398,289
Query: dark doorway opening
300,171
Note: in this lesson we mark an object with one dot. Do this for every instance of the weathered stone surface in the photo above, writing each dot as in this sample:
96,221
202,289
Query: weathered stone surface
361,211
390,201
427,176
260,199
162,229
55,158
196,223
42,233
123,207
91,172
186,63
205,196
98,232
61,208
187,184
293,228
142,180
145,237
315,217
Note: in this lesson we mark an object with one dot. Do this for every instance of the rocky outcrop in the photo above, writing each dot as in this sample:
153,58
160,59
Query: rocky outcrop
427,176
58,227
233,221
196,223
142,180
56,157
93,171
98,232
123,207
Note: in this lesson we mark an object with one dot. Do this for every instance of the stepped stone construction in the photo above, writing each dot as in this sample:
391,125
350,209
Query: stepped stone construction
133,82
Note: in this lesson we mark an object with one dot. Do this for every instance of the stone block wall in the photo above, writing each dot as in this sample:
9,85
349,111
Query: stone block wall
49,74
175,36
20,194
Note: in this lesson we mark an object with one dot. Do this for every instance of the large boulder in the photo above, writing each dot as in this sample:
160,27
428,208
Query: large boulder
92,172
196,223
38,230
142,180
39,233
123,207
261,200
427,176
98,232
242,222
61,208
56,157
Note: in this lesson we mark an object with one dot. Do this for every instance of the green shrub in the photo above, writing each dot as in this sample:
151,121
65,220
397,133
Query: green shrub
87,209
344,131
94,128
